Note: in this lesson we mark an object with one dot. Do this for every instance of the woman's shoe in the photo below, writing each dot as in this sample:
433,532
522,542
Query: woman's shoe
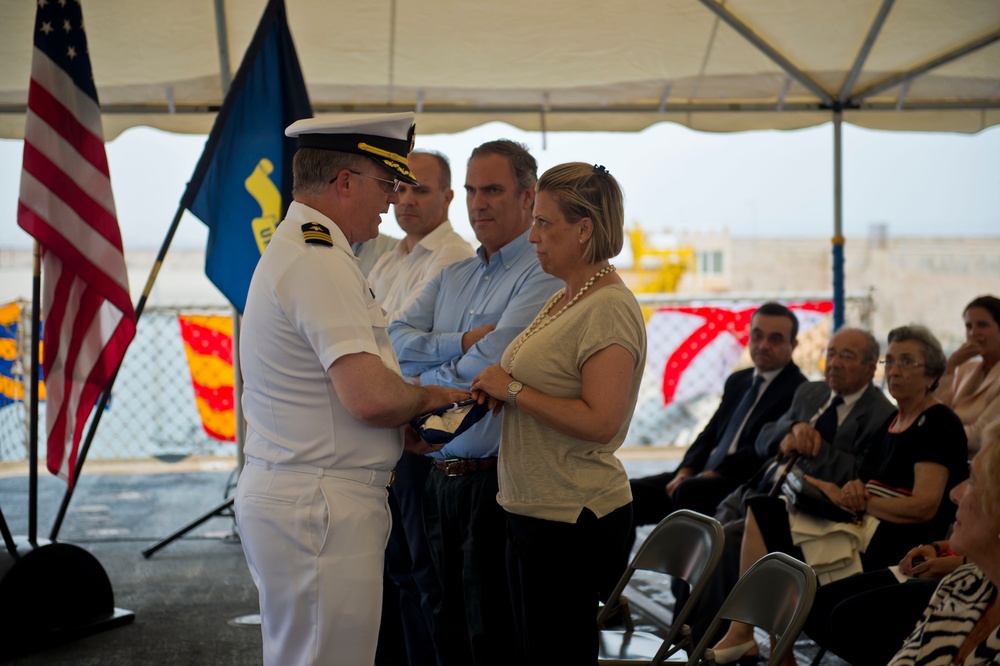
736,653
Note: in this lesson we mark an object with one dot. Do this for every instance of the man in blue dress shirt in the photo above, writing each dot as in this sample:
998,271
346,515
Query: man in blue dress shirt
459,325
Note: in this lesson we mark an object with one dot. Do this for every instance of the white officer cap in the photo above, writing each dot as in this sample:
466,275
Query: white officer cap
386,138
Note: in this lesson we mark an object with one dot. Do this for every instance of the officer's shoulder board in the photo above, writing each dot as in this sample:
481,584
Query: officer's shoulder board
315,233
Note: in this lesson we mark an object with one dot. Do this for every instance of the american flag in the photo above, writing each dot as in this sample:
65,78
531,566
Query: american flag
67,205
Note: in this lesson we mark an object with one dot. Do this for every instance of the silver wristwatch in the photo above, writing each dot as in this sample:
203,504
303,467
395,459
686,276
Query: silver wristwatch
512,390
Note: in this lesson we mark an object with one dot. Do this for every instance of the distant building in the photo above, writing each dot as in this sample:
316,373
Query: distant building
923,280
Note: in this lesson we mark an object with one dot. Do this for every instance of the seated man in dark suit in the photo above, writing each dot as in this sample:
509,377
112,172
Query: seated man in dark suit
829,427
723,456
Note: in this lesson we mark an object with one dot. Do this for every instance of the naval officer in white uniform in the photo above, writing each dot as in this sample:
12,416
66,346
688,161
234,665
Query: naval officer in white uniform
324,399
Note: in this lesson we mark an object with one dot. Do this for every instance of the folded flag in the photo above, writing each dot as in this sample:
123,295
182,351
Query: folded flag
445,424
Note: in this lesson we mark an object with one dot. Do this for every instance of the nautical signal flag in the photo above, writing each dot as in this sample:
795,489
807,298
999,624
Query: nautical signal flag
208,344
699,346
10,385
243,182
11,371
67,205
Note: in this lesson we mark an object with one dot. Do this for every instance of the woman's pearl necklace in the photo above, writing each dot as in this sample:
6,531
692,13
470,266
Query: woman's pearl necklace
543,320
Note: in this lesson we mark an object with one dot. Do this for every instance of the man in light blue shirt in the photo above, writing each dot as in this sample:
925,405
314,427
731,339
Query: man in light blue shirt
460,324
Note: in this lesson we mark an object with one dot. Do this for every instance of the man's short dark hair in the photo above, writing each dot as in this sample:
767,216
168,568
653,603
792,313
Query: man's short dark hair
523,165
443,164
775,309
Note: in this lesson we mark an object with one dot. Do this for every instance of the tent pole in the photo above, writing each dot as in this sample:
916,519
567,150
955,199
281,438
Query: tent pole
222,37
106,394
838,222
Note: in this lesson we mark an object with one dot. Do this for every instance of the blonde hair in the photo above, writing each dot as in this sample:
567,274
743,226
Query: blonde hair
991,467
585,190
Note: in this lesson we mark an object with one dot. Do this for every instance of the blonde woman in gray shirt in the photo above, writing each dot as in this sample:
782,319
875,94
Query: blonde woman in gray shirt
567,387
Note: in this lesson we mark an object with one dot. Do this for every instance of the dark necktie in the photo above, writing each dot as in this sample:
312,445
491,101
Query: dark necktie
826,424
721,449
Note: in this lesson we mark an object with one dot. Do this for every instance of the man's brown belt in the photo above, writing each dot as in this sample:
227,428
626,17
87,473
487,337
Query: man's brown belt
463,466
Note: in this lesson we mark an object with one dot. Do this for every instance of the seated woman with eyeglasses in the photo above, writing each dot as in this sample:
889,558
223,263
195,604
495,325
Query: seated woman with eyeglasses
902,484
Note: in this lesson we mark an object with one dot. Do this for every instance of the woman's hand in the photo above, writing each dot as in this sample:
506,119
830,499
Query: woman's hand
936,567
853,496
489,387
831,490
968,350
922,554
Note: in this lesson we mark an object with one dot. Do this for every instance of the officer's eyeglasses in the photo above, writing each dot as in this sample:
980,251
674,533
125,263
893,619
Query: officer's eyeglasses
393,185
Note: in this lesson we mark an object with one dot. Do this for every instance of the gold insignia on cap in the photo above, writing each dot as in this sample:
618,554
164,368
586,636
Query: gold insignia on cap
375,150
316,234
412,135
401,168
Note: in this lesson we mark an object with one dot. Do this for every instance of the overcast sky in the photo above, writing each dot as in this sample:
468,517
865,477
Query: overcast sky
761,184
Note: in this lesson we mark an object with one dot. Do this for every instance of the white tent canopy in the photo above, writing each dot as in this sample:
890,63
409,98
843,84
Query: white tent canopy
929,65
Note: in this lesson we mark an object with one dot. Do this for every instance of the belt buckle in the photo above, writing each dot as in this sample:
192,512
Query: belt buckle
452,467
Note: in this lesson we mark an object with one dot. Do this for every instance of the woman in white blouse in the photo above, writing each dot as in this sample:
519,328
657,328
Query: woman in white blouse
971,383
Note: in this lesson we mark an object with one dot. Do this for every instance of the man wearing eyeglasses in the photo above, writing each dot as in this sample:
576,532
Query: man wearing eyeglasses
324,399
846,397
828,428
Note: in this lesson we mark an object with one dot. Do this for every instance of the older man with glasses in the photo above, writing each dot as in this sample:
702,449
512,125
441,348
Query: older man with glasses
829,427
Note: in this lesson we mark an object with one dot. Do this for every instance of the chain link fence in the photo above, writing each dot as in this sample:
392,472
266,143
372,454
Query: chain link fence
152,411
157,409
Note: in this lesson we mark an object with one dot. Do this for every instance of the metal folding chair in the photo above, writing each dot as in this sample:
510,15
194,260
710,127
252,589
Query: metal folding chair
685,545
775,595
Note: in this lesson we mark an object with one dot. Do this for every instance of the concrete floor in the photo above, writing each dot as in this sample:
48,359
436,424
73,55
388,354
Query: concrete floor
187,596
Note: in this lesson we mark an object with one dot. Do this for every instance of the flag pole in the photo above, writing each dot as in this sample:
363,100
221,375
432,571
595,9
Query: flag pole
36,289
106,394
36,318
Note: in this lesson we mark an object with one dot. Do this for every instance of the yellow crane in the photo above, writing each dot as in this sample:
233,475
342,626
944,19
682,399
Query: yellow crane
658,270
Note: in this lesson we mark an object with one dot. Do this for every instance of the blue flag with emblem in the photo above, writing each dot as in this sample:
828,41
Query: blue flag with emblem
243,182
